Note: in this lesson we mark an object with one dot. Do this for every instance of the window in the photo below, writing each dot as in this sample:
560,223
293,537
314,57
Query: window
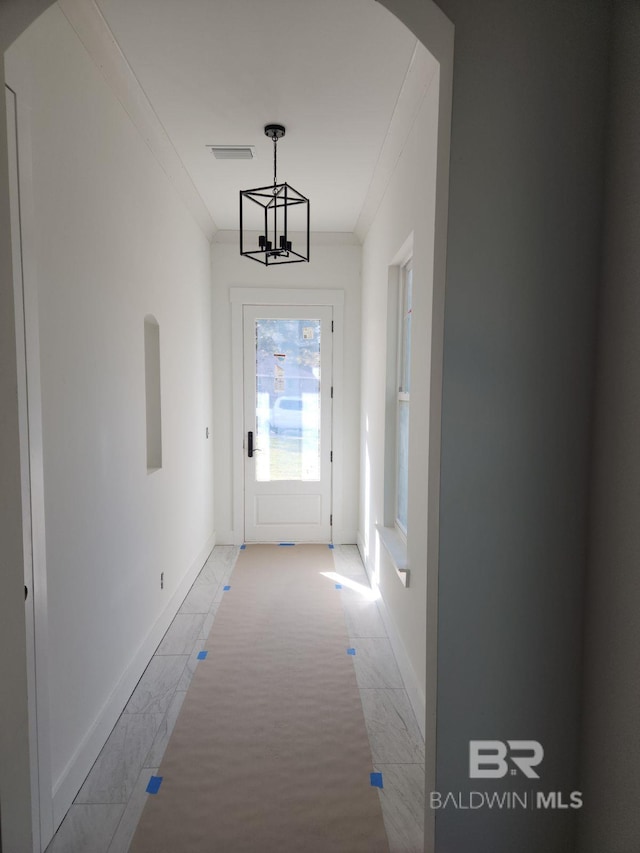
403,395
393,533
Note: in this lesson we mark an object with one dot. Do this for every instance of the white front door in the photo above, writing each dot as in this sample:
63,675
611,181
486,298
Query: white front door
287,423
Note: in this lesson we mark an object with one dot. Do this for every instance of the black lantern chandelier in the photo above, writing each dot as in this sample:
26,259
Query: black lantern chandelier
277,213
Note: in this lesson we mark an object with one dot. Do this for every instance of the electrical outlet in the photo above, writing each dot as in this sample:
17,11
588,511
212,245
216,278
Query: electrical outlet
161,580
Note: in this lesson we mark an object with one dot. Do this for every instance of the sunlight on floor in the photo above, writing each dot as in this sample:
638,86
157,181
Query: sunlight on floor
366,592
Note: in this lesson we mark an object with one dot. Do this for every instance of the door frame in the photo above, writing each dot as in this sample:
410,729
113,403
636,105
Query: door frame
271,493
270,297
31,465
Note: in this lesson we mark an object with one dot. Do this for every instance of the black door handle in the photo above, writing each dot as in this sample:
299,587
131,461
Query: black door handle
250,444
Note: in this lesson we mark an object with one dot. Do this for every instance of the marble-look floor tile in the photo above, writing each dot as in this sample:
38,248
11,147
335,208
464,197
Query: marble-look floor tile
190,668
220,564
208,621
113,776
220,594
137,744
391,724
375,663
158,684
156,753
402,801
87,827
362,616
349,563
226,555
132,814
200,597
182,633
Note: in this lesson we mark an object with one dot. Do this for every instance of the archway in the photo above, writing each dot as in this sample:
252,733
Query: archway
18,784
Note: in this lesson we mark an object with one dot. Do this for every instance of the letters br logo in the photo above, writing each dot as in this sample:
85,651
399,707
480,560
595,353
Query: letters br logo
489,759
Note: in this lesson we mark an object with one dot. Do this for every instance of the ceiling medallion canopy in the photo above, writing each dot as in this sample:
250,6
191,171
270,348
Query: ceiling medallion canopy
280,216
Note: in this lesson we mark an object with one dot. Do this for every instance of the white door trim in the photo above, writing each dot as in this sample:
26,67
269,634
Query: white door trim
31,466
239,297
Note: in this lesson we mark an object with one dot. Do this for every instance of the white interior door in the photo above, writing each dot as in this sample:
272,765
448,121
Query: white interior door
287,423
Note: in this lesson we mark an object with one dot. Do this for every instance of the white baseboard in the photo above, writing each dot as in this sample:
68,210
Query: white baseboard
340,537
71,779
411,684
361,548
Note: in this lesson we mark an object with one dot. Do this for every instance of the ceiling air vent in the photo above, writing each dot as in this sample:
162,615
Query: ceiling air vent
233,152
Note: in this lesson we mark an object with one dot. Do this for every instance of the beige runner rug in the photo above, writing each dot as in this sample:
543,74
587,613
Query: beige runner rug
270,752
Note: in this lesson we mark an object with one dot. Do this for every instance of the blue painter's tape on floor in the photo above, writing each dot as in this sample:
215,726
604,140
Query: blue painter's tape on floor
351,651
154,784
338,586
331,546
226,588
202,655
287,544
376,780
243,547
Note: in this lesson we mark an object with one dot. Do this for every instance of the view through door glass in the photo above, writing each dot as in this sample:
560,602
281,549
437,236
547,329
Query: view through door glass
288,399
287,422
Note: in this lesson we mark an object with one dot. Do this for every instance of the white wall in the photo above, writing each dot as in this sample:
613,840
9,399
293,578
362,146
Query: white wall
335,265
406,209
111,243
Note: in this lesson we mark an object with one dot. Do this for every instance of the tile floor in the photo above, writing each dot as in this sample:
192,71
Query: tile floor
106,811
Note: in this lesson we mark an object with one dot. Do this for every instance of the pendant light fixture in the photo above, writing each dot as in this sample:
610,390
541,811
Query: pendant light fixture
280,216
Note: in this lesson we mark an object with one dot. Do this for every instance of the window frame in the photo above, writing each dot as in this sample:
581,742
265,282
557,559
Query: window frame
403,380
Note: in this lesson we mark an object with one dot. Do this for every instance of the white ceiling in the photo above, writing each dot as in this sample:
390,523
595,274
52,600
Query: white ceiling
217,71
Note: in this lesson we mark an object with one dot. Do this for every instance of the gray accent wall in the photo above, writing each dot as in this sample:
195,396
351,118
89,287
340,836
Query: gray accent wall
611,745
529,96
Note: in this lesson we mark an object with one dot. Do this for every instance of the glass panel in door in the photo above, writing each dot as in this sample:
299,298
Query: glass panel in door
288,399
